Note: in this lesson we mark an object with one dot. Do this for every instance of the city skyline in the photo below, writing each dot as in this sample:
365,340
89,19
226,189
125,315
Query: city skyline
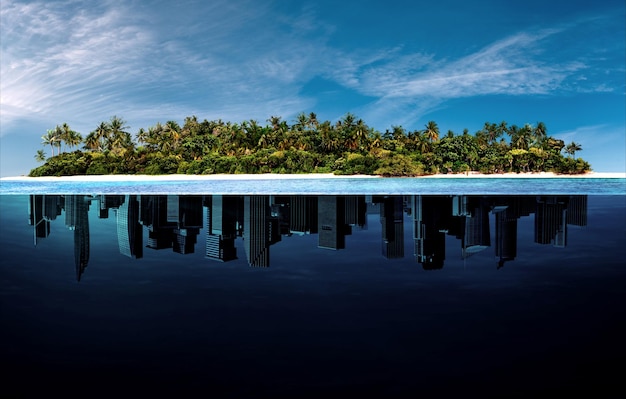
259,222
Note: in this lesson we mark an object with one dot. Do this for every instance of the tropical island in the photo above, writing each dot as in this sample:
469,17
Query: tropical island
346,147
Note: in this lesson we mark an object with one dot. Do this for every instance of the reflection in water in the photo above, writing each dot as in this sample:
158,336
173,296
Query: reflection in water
260,221
176,298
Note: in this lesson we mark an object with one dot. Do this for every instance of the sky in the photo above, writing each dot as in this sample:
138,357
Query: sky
390,63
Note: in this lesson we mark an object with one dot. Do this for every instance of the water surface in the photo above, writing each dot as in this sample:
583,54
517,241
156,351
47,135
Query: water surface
281,295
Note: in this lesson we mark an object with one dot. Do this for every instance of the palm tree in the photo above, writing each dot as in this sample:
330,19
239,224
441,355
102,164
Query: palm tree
313,120
71,137
92,142
142,136
49,139
119,138
375,140
360,134
40,156
58,138
572,147
432,131
302,121
100,137
521,138
540,133
172,130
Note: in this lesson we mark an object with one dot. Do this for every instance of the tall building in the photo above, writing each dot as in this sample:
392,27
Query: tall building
108,202
505,235
41,225
257,230
153,215
221,227
551,221
304,214
81,233
476,236
392,227
52,206
186,212
280,211
429,215
129,230
70,211
356,210
577,210
331,222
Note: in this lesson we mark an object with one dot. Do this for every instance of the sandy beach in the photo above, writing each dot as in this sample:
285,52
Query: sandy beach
270,176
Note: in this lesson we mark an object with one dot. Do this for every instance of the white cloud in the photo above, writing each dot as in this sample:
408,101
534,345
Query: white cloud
66,63
533,62
236,60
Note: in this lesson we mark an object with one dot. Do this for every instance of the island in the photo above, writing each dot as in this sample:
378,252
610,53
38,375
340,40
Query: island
346,147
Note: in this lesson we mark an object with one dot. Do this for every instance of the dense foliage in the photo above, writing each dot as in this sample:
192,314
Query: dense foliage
348,146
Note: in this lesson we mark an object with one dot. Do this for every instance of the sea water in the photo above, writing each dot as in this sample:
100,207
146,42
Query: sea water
321,186
287,288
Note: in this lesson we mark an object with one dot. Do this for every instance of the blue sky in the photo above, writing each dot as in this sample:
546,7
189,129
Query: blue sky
388,62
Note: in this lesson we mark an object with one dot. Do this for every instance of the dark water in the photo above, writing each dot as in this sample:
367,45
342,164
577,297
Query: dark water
292,296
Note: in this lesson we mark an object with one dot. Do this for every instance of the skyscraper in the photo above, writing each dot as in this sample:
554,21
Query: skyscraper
392,227
221,227
257,230
331,222
41,226
129,231
476,236
505,235
429,230
551,221
81,233
304,214
186,212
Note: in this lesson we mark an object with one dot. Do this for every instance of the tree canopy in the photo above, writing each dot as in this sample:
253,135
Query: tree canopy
347,146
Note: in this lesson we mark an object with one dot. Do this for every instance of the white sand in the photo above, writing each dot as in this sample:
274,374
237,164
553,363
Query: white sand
266,176
596,175
271,176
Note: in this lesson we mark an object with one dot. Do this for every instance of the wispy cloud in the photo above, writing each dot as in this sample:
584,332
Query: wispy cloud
533,62
60,61
66,60
233,60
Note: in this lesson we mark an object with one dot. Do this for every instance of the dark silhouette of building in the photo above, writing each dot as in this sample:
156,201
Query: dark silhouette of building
429,228
577,210
551,221
78,207
221,227
331,222
392,227
476,236
186,213
129,230
41,225
280,211
356,210
257,230
505,234
107,202
153,215
304,214
42,209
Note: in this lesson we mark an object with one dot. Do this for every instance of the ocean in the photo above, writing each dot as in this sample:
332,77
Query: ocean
322,186
301,288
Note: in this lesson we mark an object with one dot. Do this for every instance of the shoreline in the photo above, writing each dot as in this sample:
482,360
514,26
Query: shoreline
273,176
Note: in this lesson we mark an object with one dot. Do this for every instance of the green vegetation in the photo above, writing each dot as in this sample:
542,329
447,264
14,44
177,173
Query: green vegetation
348,146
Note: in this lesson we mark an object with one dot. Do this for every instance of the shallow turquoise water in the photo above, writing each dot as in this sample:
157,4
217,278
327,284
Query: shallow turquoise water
402,186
